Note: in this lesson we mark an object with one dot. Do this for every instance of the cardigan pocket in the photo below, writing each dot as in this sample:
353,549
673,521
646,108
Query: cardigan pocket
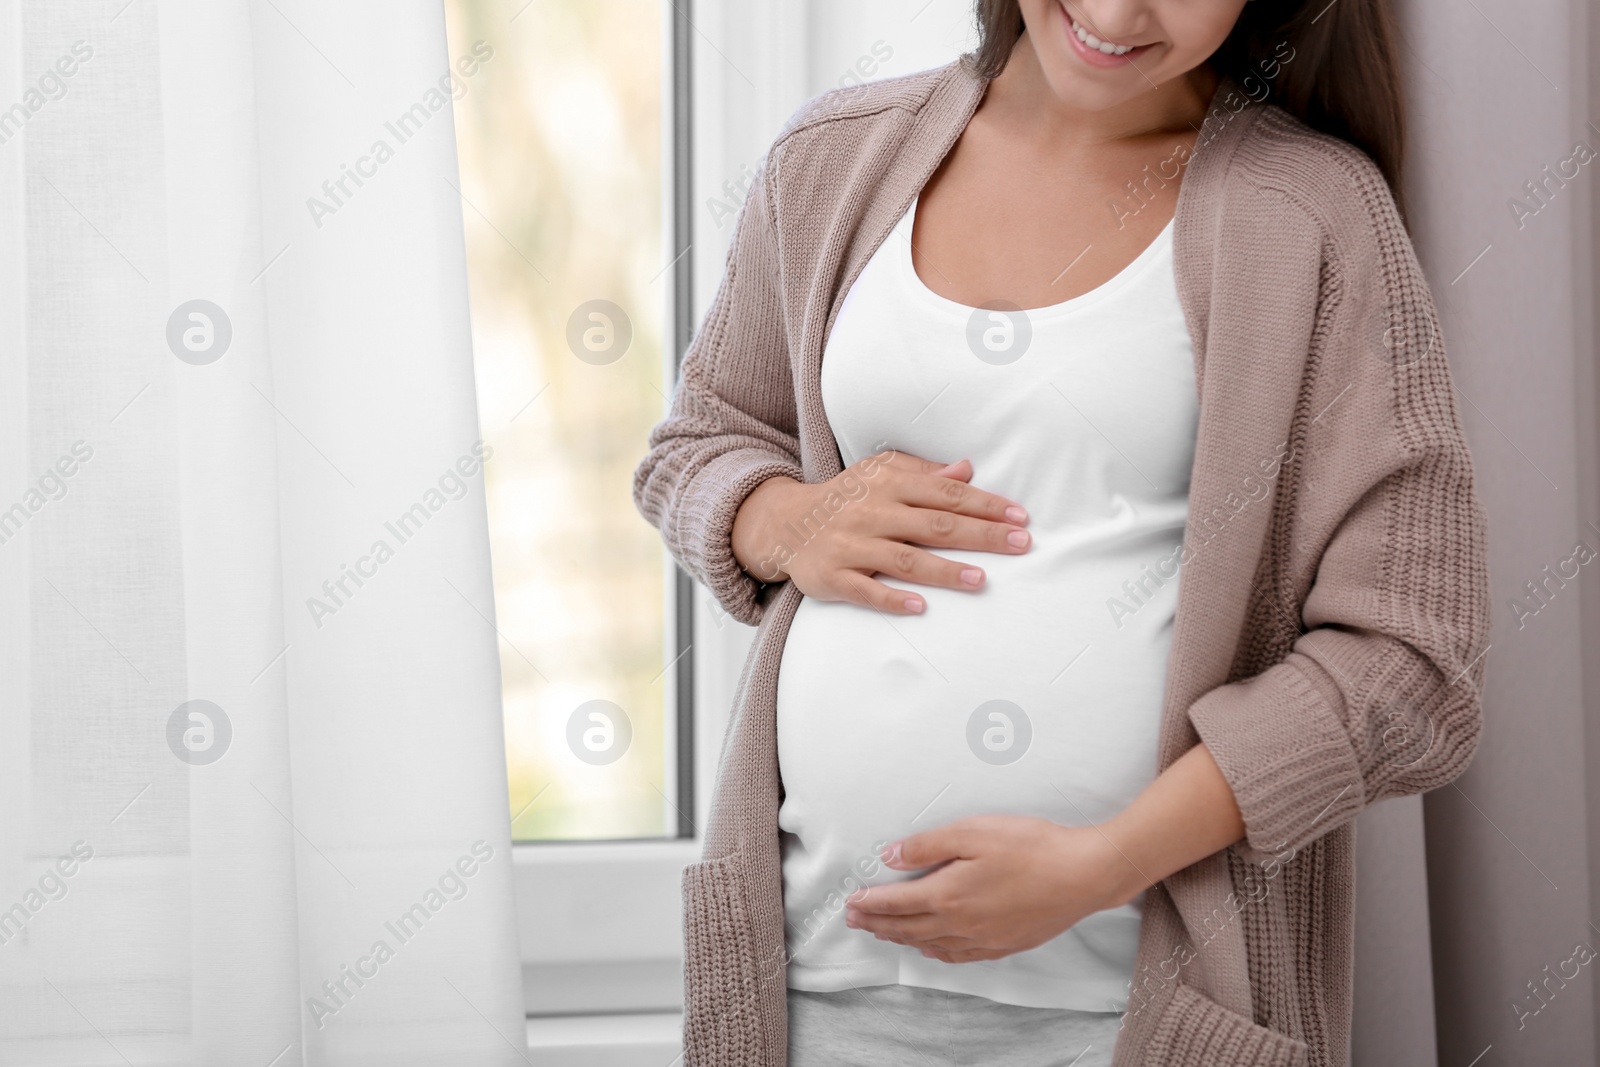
721,1015
1195,1031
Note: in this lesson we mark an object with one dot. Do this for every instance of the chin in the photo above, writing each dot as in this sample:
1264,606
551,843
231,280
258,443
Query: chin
1090,90
1146,47
1077,82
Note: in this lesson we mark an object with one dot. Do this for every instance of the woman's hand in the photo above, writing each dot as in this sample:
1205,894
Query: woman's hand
830,539
1008,883
1012,882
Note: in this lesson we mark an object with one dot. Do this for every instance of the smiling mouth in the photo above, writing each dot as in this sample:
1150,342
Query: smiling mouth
1094,43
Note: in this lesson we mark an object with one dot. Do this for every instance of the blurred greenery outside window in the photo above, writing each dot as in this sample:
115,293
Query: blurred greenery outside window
559,135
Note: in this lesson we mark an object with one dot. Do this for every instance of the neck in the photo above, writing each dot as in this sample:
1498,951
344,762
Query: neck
1021,94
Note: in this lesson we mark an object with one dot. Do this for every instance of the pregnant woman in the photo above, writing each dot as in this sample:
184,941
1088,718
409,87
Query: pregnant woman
1073,421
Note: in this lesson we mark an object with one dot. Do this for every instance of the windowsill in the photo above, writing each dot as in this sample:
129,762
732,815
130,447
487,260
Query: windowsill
647,1039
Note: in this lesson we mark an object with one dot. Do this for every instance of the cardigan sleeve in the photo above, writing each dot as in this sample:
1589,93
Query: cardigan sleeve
1380,693
732,423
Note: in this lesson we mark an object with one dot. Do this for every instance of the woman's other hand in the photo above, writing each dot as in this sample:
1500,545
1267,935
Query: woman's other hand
1003,884
832,539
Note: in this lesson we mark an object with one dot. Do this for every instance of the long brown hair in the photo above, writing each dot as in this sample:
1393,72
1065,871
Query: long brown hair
1344,78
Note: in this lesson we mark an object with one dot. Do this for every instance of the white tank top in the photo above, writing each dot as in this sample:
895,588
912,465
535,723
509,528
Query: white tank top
1038,695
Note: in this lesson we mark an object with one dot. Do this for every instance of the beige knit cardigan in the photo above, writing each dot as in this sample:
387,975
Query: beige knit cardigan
1333,608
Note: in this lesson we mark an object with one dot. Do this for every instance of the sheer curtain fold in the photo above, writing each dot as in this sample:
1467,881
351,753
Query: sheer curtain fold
251,757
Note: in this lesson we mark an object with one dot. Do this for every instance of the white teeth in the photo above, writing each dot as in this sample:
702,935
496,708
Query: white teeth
1098,45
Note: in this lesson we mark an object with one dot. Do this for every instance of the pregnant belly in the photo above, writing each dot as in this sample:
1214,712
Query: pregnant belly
1029,697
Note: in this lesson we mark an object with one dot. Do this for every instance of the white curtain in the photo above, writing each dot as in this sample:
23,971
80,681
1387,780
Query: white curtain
252,776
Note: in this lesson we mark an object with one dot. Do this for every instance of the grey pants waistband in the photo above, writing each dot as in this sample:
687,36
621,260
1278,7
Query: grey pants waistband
874,1026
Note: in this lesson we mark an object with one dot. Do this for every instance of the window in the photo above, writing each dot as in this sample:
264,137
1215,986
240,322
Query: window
567,139
585,593
563,137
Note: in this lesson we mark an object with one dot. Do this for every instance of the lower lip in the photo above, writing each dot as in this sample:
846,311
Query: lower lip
1096,58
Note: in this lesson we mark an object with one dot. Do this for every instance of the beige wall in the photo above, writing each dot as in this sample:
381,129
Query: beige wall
1497,92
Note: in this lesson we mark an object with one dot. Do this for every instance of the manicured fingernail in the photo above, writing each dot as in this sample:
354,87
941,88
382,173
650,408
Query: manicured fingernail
1016,515
1017,538
891,854
972,575
914,605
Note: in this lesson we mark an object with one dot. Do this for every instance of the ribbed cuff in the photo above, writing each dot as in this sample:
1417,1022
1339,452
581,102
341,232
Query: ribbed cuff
705,529
1286,755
